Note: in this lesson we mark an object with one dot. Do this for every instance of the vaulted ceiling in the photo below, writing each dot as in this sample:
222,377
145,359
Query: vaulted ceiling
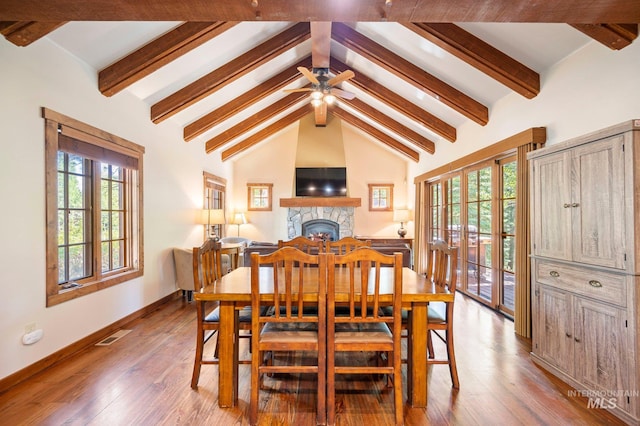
422,68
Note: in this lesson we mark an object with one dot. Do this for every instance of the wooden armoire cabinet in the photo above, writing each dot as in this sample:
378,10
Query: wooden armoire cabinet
585,218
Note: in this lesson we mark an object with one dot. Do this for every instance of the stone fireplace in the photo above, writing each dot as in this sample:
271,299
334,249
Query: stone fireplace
316,220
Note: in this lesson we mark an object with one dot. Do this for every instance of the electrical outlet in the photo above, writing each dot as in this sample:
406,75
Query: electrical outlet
30,327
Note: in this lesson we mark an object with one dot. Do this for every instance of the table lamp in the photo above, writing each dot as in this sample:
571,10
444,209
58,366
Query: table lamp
402,216
239,219
211,218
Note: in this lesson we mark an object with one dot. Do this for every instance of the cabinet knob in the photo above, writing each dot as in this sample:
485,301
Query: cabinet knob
554,274
595,283
566,205
575,205
577,340
568,334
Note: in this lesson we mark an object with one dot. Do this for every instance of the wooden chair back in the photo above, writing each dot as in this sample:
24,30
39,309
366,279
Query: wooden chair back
288,327
303,244
207,264
442,265
368,280
345,245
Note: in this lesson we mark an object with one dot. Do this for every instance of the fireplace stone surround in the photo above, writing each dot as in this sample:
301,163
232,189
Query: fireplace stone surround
343,216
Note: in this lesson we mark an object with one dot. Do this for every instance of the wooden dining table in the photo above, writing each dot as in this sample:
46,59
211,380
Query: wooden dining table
233,292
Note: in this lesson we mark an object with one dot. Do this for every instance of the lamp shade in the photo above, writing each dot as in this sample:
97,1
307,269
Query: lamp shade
216,217
401,215
239,218
204,217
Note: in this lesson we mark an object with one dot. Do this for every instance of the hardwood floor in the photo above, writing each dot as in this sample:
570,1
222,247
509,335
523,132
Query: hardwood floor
144,379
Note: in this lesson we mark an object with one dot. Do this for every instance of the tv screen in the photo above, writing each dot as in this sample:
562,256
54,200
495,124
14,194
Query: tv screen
321,182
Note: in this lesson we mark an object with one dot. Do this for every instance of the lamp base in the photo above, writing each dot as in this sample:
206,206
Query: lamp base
402,232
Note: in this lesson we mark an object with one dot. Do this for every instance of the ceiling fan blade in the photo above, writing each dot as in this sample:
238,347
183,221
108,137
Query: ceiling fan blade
343,76
312,78
342,93
302,89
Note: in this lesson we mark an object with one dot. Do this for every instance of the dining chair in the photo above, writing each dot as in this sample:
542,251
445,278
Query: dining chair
442,271
345,245
207,269
369,280
289,327
304,244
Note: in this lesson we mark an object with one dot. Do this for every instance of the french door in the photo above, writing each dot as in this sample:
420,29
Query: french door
474,209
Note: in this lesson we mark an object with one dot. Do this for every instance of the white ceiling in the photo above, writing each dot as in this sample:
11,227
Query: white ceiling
536,45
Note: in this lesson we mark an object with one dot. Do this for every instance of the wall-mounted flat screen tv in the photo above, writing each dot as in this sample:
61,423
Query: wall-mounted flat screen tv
321,181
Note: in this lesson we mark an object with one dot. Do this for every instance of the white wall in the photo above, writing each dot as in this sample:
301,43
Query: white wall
274,161
42,75
594,88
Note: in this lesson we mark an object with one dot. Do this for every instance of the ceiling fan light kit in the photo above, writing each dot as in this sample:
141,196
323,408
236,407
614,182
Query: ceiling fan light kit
322,87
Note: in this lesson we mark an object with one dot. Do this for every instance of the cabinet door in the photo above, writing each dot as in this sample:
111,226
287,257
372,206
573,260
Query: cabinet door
598,203
555,328
551,204
601,348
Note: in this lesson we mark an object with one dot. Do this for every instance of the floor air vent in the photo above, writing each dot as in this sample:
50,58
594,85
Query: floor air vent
113,338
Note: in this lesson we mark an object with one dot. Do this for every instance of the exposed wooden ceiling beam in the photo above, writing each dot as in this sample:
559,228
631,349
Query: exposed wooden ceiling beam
391,124
320,55
254,121
245,100
320,43
573,11
24,33
320,114
410,73
397,102
614,36
229,72
481,55
158,53
266,132
375,133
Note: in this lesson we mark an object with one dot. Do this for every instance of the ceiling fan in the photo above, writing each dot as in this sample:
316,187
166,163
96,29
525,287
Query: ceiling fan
322,87
322,90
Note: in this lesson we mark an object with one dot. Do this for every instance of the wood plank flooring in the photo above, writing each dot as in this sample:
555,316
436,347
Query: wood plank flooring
144,379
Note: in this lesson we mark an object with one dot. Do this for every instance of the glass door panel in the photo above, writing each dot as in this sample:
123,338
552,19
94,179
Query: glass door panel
508,222
479,233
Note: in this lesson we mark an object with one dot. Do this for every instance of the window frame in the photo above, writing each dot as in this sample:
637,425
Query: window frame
251,198
377,186
59,130
215,197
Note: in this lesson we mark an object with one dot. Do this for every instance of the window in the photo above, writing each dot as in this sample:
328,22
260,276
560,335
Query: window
259,196
214,198
94,208
381,197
